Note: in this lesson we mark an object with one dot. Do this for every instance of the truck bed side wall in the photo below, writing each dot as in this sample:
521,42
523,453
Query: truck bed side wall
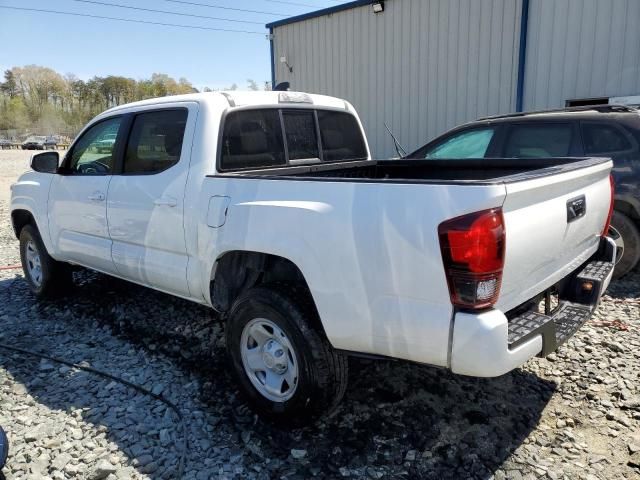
369,253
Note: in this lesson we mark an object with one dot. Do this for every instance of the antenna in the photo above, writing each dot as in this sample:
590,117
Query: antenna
399,150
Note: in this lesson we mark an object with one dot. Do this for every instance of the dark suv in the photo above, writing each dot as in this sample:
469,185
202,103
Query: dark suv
608,131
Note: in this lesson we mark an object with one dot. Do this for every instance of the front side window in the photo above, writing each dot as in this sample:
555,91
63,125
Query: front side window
300,130
93,153
252,139
341,137
468,144
539,141
155,142
601,138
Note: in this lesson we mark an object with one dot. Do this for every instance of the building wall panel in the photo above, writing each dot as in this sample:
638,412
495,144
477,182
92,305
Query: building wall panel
581,49
422,66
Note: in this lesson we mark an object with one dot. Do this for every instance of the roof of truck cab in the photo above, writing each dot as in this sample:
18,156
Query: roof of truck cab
238,98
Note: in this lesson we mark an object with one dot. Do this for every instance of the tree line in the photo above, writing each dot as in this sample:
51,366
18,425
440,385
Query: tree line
44,101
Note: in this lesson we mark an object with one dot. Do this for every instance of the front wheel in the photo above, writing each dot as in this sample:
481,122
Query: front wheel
286,368
625,234
46,276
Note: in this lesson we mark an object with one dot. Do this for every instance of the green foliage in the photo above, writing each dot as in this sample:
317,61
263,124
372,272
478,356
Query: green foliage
39,98
13,114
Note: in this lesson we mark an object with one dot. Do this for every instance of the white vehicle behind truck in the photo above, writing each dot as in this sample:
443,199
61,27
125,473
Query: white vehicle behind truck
267,207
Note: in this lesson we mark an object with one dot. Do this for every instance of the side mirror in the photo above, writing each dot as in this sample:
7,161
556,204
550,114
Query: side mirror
45,162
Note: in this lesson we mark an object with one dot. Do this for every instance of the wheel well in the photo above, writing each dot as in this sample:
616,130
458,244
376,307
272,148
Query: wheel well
237,271
628,209
19,219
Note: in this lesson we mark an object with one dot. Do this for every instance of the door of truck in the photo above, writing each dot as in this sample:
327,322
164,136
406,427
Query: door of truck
145,203
77,199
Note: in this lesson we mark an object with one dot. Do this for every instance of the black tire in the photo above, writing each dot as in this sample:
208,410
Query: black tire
56,276
322,371
631,237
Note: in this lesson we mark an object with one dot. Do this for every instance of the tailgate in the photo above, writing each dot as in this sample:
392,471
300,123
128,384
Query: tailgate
553,225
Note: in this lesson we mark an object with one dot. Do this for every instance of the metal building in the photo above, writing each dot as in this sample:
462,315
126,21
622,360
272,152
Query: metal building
424,66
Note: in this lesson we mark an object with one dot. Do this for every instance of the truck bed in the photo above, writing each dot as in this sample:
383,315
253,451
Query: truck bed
475,171
543,242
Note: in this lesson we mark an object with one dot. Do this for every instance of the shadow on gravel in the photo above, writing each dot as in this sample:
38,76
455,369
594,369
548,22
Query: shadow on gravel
626,287
397,420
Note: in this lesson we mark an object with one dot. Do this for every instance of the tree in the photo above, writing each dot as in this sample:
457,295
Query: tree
252,85
184,86
9,86
38,86
40,99
13,115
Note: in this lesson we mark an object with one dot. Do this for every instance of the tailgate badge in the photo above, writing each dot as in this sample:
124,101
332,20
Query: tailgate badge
576,208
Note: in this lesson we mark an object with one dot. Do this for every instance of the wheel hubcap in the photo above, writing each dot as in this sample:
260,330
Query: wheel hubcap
34,265
269,360
619,241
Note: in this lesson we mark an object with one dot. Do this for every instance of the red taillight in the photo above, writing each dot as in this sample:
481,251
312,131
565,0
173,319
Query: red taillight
473,254
607,224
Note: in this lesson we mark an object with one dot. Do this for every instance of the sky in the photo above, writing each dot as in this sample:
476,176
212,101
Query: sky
91,46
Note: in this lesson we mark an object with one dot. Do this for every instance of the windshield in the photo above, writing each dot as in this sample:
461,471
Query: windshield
465,144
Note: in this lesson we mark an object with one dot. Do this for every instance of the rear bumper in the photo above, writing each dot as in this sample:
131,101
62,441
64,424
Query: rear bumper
489,344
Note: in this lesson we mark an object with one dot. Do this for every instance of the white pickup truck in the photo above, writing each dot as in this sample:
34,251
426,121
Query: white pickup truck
268,207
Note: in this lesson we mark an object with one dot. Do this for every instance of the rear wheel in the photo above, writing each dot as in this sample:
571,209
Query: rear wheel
46,277
625,234
285,367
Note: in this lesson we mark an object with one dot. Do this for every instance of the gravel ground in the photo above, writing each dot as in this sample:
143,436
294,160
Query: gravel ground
573,415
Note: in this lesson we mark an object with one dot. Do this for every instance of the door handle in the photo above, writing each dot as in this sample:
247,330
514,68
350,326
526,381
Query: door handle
96,197
165,202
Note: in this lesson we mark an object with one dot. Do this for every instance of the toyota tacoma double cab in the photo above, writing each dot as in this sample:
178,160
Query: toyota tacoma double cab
267,207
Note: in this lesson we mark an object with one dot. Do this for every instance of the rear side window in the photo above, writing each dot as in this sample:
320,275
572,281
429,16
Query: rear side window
341,137
155,142
279,137
538,141
601,138
302,139
468,144
251,139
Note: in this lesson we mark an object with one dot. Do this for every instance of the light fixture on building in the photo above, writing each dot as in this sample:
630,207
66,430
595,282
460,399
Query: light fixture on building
284,61
378,7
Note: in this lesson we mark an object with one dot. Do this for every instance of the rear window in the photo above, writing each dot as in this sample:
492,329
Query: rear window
252,139
538,141
301,134
341,137
258,138
601,138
